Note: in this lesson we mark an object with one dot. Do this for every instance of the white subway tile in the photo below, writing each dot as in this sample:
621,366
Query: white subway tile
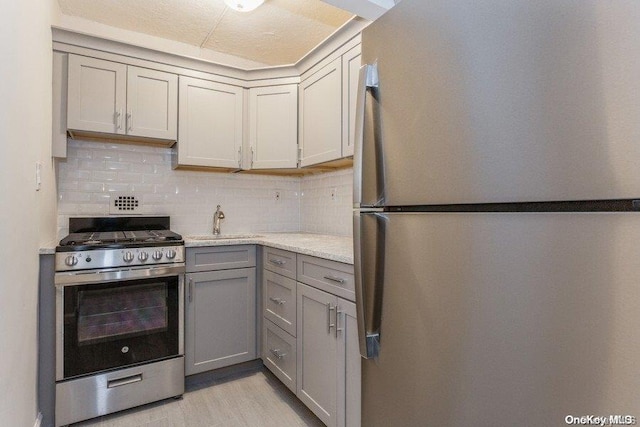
190,197
103,176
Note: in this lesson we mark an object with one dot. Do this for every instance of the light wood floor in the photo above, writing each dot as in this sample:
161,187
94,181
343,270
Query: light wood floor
252,398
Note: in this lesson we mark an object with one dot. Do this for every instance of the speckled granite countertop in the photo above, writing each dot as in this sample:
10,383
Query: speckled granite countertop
335,248
49,249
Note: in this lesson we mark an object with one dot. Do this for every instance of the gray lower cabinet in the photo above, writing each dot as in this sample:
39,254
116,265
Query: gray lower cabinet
310,334
349,391
220,324
318,353
328,357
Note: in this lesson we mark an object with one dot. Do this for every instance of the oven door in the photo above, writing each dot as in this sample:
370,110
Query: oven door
115,319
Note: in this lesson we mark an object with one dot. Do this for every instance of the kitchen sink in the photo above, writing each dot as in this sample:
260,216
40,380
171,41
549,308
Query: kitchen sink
222,236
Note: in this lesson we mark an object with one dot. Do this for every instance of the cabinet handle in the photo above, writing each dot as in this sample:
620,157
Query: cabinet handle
190,290
277,300
276,352
240,157
330,325
119,118
252,157
339,313
336,279
130,121
276,261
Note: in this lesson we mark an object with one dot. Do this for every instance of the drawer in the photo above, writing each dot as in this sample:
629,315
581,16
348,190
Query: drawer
220,257
281,262
280,301
279,354
330,276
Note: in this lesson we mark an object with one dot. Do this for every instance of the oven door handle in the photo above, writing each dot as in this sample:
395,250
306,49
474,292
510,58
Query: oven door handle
116,275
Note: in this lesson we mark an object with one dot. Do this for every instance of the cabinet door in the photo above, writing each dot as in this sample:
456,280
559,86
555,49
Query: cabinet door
220,327
320,118
349,391
350,73
317,353
152,103
210,116
273,127
97,95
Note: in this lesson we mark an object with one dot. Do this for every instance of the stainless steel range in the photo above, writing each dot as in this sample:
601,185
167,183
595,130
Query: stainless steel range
119,316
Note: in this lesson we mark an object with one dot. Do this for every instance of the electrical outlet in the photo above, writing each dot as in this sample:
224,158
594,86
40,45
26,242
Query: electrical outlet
334,193
277,195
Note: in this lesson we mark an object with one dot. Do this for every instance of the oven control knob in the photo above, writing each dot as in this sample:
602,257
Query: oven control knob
143,256
71,260
157,255
171,254
128,257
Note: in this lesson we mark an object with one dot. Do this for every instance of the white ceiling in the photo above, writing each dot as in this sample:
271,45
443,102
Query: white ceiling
277,33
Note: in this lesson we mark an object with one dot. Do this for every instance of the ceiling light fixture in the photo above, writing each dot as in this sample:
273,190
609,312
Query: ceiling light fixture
243,5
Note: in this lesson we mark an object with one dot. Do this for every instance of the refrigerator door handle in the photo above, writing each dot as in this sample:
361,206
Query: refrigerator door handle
367,82
369,231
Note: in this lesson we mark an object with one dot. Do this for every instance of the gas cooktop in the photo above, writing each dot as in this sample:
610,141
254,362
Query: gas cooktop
110,242
118,233
119,239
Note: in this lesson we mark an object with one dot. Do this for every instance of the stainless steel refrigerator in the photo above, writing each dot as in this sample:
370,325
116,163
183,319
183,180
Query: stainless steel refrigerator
497,223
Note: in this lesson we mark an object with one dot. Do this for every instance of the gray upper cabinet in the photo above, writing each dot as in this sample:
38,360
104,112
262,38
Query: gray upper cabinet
320,115
211,124
152,104
60,82
220,313
273,127
107,97
351,62
97,97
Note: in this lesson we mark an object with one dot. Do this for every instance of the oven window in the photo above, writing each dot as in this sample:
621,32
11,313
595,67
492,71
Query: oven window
109,314
117,324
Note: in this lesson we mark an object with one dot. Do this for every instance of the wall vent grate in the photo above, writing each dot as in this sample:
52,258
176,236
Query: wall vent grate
124,204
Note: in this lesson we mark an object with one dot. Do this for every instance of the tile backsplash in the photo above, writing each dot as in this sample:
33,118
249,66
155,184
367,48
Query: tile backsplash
327,203
94,172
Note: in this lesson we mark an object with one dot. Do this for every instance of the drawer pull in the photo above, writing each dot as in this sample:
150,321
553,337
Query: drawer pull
336,279
277,300
277,353
276,261
124,381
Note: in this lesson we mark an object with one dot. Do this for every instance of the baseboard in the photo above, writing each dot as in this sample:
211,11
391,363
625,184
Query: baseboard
38,420
222,373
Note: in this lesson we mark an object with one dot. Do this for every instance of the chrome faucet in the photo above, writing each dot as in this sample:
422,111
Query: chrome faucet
216,220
